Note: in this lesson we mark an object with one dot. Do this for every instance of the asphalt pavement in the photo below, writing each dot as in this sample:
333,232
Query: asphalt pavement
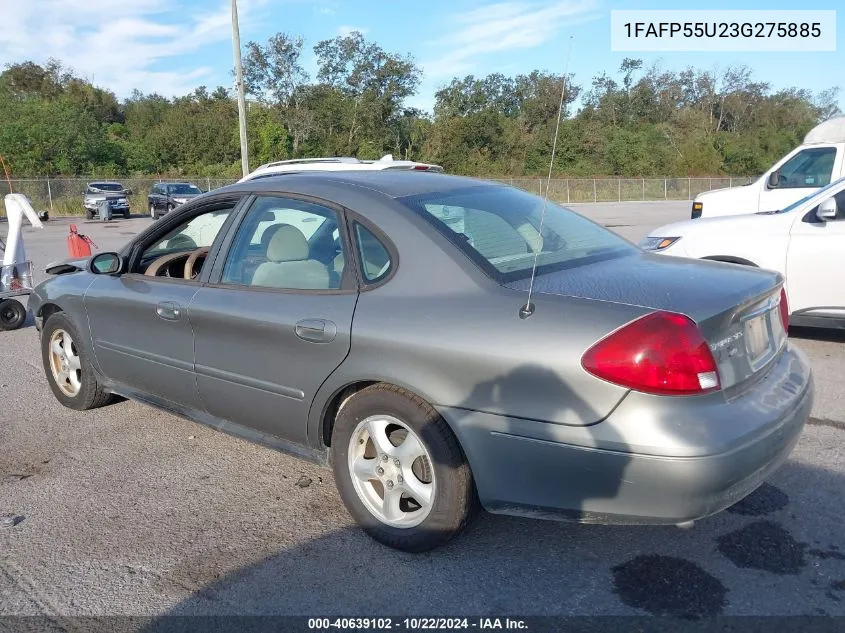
129,510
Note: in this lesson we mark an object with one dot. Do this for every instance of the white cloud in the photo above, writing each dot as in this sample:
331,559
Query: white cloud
344,30
326,11
121,44
503,27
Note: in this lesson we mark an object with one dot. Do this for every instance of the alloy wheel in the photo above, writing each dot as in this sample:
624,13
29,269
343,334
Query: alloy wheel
391,471
65,363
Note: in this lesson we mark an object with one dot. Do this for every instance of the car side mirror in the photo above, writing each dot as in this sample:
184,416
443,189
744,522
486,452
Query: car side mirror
127,192
827,210
774,180
106,264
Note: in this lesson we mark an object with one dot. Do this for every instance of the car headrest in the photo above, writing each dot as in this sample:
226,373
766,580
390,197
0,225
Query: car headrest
287,244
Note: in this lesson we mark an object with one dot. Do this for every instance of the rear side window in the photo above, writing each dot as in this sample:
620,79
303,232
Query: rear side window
499,228
376,263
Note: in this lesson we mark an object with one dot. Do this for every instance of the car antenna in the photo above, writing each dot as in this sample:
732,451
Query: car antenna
528,309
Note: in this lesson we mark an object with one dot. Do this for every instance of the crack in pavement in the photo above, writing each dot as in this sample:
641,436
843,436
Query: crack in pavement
834,424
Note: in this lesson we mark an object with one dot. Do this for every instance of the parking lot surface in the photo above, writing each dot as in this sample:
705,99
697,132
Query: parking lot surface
129,510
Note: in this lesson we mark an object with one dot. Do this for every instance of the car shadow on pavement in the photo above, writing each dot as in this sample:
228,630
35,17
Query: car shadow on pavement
745,557
817,334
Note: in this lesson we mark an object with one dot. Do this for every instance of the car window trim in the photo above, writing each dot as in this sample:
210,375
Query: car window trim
349,282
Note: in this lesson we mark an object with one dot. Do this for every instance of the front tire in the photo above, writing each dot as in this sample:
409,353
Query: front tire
400,470
67,365
126,214
12,314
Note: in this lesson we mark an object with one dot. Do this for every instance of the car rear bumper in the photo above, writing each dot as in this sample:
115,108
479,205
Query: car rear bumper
652,461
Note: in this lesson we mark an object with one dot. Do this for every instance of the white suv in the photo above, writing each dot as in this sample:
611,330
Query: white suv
338,164
804,241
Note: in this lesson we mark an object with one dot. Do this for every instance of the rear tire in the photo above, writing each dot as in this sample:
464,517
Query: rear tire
89,214
12,314
386,440
67,365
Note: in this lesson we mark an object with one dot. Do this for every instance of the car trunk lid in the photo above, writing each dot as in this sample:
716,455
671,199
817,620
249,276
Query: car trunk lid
736,307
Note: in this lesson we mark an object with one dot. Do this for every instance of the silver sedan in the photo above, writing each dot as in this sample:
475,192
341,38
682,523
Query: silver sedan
440,341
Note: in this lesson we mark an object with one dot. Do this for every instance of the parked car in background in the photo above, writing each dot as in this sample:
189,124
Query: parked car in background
386,162
112,192
166,196
391,339
804,241
801,173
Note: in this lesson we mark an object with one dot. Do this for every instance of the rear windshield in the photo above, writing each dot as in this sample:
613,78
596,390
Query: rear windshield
94,187
498,227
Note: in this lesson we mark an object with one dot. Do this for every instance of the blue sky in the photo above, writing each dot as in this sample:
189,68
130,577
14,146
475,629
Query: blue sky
172,46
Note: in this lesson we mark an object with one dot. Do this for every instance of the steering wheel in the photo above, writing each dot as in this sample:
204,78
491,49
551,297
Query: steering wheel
161,266
191,262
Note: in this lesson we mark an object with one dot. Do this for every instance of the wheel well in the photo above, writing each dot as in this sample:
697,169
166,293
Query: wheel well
334,405
728,259
48,310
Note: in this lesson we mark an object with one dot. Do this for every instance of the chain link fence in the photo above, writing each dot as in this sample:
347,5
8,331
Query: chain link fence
63,196
574,190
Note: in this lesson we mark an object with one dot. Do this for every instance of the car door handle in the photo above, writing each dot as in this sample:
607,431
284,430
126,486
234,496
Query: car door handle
169,311
316,330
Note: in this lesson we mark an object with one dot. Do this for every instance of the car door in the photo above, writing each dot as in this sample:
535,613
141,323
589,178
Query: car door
801,175
139,323
276,320
814,260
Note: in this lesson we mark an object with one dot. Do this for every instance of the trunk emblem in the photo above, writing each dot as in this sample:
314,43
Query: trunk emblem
720,345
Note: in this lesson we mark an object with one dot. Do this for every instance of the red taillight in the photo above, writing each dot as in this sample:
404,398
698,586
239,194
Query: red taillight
784,309
660,353
420,167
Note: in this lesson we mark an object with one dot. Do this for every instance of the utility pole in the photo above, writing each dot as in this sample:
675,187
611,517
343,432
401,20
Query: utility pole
239,84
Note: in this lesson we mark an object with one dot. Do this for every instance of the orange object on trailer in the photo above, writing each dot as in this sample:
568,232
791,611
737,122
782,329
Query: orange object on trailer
79,245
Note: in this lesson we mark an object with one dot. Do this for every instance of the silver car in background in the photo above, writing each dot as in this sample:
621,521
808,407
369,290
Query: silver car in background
112,193
379,322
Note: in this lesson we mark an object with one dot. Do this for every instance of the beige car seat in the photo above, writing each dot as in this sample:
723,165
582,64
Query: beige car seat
288,264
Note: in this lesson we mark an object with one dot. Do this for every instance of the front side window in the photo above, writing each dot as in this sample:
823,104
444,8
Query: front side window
808,168
499,228
168,255
286,244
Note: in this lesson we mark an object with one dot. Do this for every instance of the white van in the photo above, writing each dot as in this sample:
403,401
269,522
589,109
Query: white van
814,164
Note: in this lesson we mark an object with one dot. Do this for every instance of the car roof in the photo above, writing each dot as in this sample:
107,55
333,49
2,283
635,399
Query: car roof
102,182
394,184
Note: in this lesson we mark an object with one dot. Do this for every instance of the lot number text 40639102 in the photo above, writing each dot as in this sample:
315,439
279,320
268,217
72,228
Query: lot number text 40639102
417,624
